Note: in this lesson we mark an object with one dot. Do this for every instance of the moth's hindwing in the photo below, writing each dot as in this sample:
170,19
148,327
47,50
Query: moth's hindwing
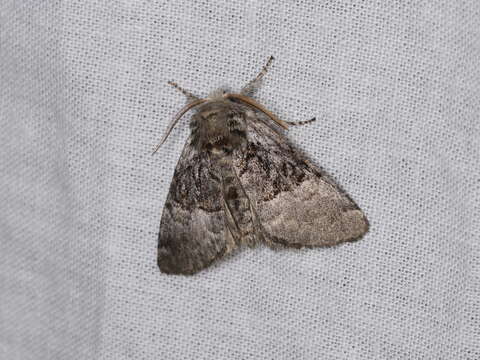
192,230
296,204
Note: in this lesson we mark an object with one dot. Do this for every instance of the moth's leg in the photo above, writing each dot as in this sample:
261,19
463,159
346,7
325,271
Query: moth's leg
255,83
298,123
188,94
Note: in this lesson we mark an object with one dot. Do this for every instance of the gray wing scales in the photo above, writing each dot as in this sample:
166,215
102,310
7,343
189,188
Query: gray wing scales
192,230
295,203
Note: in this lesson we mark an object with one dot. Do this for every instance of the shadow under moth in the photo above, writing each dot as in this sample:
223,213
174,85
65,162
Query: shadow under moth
240,182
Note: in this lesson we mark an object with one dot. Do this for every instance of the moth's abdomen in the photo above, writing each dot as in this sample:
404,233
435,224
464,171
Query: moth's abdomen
237,207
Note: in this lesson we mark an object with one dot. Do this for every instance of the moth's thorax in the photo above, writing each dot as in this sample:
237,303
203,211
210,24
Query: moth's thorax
219,127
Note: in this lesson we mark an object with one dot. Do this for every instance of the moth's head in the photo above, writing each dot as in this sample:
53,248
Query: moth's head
220,98
218,126
212,110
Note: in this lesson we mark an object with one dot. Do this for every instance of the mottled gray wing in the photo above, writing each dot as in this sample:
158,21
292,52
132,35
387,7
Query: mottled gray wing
296,204
192,230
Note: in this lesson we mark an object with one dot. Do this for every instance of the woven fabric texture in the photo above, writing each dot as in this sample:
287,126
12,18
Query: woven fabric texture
395,86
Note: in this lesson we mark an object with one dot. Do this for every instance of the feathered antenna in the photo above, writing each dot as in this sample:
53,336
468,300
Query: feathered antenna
175,120
249,101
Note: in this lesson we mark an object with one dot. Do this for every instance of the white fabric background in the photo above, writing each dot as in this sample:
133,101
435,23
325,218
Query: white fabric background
83,100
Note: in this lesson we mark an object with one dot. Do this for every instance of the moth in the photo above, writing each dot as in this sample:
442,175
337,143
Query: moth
239,182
